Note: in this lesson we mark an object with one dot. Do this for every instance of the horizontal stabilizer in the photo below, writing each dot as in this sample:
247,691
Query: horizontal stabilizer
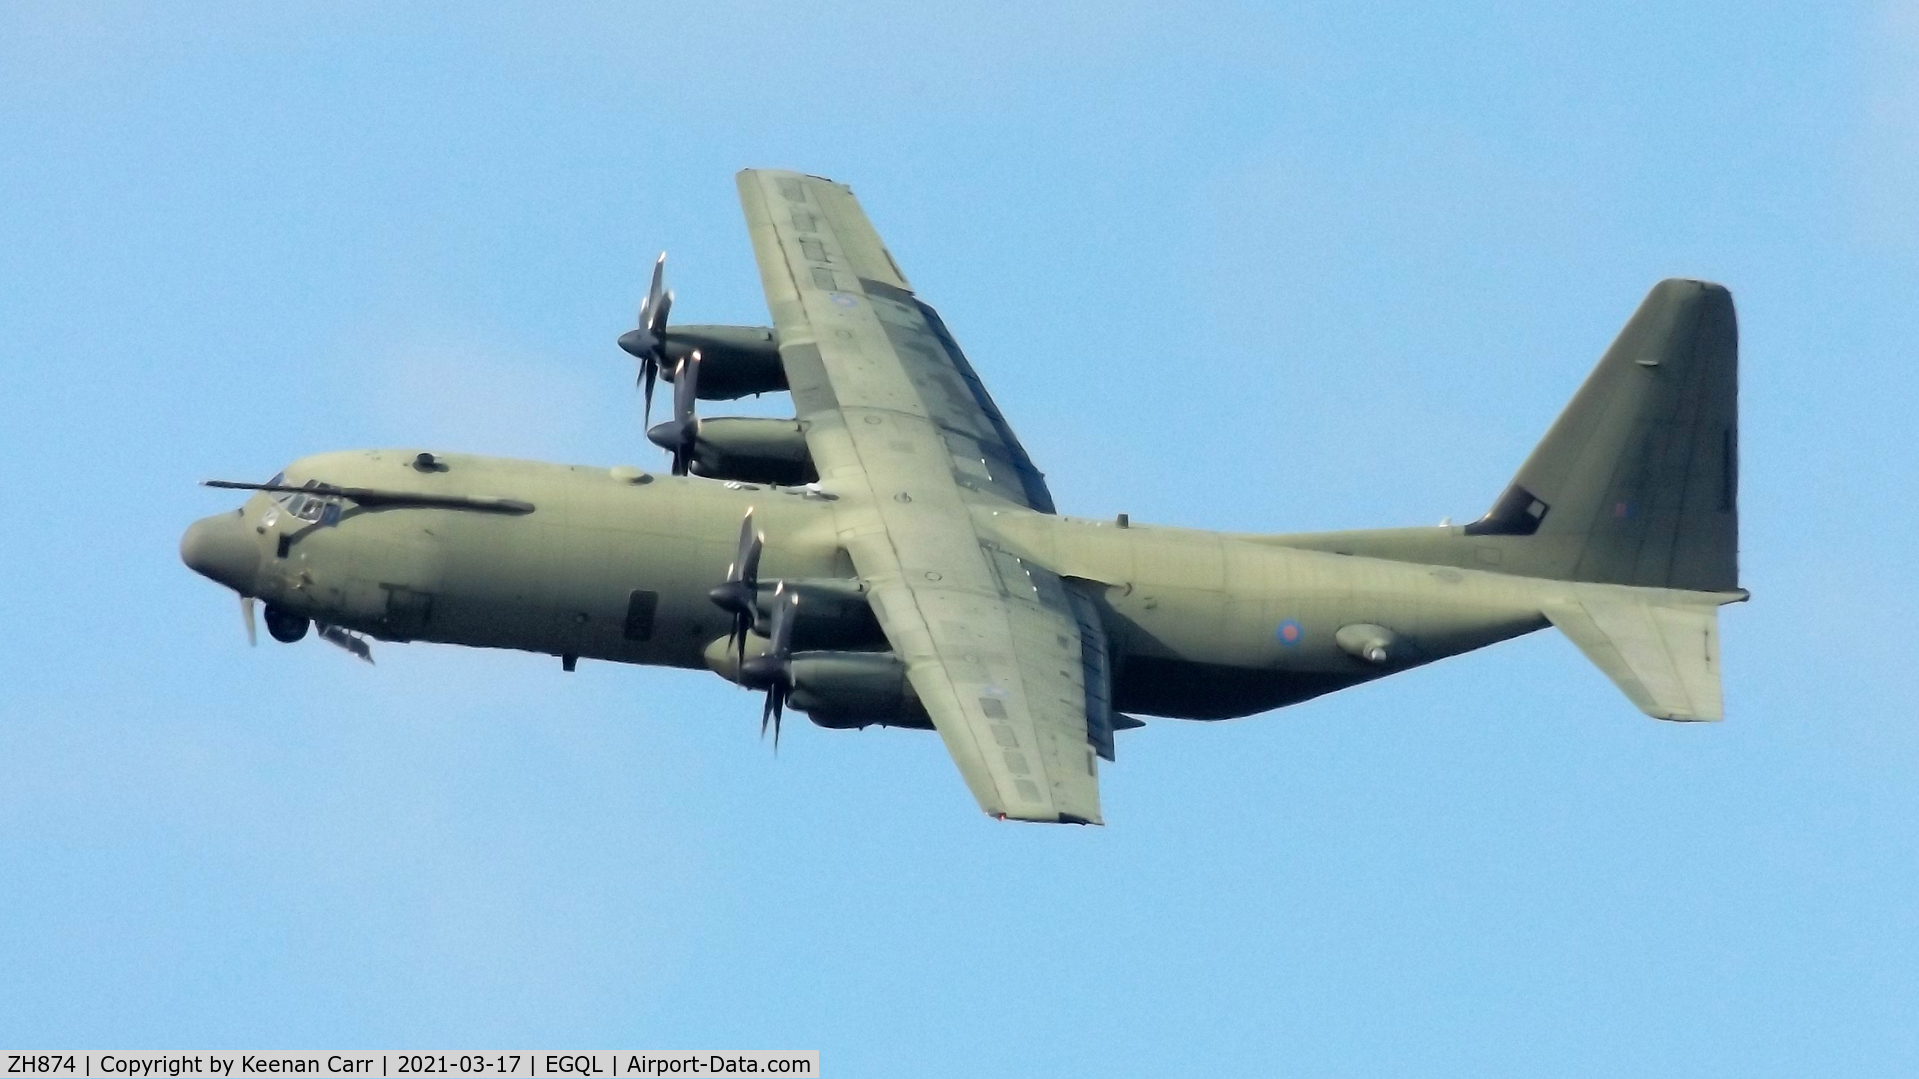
1664,655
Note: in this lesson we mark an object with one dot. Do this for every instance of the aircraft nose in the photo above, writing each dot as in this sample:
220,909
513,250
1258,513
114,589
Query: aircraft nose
219,549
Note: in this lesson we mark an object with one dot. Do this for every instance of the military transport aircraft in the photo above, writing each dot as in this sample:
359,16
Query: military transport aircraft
891,556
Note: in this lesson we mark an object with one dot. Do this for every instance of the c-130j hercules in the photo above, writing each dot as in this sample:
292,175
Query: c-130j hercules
891,556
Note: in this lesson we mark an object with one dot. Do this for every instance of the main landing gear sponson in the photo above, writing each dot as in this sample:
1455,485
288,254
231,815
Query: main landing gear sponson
285,626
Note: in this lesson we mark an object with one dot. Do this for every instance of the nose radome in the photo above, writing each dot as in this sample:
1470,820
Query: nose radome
219,549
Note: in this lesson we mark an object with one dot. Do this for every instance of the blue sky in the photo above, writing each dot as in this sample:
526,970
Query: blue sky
1259,267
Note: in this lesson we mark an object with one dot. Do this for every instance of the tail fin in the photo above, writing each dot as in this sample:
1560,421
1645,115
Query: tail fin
1636,483
1627,512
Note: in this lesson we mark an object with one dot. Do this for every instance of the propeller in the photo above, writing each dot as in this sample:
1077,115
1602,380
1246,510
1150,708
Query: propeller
741,589
771,669
246,615
679,434
646,342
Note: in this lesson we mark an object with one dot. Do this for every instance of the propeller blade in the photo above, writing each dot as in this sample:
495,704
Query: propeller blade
771,669
784,615
738,599
778,693
751,543
742,625
779,633
738,571
646,342
685,389
743,573
686,381
246,615
648,372
659,315
773,711
654,293
739,593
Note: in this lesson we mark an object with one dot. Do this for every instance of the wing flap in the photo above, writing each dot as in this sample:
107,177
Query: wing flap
993,676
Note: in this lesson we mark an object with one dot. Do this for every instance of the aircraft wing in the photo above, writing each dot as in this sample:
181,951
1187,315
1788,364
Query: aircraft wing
1009,659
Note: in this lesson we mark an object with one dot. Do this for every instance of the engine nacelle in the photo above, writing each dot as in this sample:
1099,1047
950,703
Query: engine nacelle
855,689
837,689
835,616
735,361
751,449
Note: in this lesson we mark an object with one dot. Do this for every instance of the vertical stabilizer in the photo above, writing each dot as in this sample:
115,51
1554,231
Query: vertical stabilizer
1637,481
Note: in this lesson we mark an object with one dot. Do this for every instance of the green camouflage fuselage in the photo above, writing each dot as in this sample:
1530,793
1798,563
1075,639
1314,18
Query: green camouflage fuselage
616,564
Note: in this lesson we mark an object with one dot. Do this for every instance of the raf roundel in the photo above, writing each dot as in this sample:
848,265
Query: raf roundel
1289,632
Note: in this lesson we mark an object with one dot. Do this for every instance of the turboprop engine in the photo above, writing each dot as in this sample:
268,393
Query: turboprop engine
753,449
715,363
835,688
740,360
846,690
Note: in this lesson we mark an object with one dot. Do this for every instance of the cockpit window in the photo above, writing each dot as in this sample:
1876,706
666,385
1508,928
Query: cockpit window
309,507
